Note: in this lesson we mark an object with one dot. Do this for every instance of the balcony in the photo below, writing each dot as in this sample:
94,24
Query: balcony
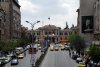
50,35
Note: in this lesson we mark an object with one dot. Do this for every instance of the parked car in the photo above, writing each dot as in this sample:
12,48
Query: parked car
14,61
2,61
79,60
8,59
74,56
81,64
28,46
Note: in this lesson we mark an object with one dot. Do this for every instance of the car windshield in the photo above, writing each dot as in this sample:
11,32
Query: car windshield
20,55
14,60
82,63
79,58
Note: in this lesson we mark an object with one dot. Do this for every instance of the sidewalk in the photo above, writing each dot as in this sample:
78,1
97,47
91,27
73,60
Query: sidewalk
84,58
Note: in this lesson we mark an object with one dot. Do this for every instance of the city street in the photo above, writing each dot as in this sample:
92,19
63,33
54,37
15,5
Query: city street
58,59
25,62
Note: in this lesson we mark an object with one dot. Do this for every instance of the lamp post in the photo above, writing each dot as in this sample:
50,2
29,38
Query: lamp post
32,25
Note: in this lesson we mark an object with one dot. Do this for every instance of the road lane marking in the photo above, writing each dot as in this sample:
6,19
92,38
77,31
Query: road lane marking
45,59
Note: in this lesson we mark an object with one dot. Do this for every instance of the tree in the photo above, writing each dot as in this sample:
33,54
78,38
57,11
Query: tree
77,42
94,52
23,33
71,39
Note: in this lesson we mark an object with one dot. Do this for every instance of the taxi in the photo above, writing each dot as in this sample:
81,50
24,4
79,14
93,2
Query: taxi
51,48
40,48
62,48
67,47
20,56
59,45
38,45
81,64
56,48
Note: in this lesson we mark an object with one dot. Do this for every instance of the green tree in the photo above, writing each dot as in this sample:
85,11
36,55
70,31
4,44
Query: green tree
77,41
23,33
71,39
94,52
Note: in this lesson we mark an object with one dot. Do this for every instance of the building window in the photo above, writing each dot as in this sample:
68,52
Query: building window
2,0
37,33
34,33
57,33
61,38
57,39
6,0
60,33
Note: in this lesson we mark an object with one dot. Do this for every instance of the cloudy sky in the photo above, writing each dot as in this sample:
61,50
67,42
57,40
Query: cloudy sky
59,11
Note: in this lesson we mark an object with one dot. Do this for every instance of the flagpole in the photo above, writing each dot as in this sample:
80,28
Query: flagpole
49,21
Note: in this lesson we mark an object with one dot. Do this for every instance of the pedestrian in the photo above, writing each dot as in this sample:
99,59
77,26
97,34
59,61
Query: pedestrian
69,52
24,53
90,65
73,52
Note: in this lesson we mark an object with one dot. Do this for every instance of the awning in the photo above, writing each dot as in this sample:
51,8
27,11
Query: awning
63,40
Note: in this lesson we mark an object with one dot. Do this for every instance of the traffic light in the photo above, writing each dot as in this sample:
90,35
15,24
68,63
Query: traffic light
34,50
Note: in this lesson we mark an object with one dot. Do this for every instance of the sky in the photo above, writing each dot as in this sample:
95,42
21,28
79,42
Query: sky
59,11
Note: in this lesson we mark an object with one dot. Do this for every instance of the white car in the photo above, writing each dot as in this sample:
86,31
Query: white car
8,59
28,46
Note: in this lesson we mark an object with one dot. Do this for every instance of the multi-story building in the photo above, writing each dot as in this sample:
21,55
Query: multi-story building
2,24
13,18
89,20
52,33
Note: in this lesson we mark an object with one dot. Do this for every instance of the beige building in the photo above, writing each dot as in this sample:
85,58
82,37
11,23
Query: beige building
13,18
52,33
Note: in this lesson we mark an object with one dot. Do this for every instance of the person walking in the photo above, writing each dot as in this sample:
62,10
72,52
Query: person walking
25,54
89,64
69,52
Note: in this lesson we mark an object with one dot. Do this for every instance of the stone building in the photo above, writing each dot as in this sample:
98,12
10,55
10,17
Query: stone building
2,24
88,20
52,33
13,18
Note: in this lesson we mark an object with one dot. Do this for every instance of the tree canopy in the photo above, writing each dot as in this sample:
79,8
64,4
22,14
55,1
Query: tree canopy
94,52
77,41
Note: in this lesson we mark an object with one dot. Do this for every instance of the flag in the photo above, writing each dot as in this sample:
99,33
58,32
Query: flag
49,18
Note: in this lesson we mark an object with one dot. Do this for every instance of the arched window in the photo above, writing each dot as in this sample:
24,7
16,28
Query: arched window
57,38
45,33
61,38
60,33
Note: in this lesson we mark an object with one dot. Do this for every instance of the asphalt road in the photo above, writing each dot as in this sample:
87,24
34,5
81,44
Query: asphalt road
25,62
58,59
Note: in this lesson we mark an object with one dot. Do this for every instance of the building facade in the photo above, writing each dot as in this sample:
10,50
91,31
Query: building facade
89,20
2,24
13,18
52,33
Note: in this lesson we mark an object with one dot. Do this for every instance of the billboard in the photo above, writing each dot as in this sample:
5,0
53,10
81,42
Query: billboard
87,24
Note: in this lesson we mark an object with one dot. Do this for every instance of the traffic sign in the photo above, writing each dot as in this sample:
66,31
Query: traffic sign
42,37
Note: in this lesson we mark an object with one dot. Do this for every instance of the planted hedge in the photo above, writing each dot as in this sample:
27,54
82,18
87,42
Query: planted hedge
38,62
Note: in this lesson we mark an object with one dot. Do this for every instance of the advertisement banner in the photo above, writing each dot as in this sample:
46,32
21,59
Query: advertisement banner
87,24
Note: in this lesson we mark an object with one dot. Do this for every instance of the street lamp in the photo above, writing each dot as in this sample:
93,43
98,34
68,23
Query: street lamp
32,25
